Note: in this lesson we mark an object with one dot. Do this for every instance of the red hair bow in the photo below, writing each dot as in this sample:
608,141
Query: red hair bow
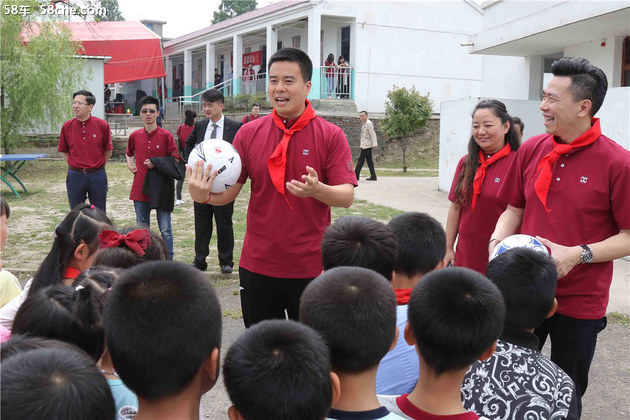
137,240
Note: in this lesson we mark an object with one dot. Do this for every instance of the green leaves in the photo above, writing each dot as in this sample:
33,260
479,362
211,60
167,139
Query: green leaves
406,112
231,8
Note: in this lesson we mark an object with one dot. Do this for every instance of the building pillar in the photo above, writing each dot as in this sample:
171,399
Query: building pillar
237,65
187,73
313,51
209,65
169,77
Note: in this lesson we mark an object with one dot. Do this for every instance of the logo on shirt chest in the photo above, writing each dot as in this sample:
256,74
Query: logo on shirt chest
305,152
583,179
497,179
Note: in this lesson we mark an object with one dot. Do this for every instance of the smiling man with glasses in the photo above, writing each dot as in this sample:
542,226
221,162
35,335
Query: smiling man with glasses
86,145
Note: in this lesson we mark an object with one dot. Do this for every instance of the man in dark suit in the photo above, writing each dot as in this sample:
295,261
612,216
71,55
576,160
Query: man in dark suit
215,126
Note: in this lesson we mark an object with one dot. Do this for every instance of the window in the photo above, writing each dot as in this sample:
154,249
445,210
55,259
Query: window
345,43
625,63
248,50
279,45
295,41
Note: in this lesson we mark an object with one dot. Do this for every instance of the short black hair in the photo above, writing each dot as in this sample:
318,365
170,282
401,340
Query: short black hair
73,315
54,384
587,81
360,242
89,96
149,100
158,312
19,343
518,121
363,112
421,243
355,310
213,95
279,370
527,279
296,56
455,314
5,210
100,277
255,104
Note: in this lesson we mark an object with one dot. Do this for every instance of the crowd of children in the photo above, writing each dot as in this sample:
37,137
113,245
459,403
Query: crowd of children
109,328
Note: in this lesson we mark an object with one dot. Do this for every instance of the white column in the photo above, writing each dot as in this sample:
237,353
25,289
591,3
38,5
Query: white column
187,73
169,77
209,65
314,41
237,69
272,42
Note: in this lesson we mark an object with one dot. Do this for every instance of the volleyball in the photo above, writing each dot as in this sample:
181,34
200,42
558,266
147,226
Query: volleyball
224,159
518,241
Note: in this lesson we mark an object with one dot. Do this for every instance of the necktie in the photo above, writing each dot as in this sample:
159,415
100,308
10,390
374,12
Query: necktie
543,170
481,170
277,163
213,135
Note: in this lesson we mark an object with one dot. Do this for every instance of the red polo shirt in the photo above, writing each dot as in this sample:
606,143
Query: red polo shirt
476,226
157,143
281,242
588,199
183,131
86,143
249,118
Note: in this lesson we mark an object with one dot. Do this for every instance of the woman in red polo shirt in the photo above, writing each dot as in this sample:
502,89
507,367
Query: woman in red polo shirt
475,208
330,74
183,131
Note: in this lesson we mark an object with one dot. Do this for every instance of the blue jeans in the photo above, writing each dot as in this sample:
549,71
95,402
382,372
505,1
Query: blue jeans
143,217
93,185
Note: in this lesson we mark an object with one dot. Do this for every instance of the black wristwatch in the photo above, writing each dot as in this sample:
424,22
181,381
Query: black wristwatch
587,255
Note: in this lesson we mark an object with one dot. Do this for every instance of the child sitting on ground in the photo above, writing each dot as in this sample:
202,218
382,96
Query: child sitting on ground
421,249
279,370
354,309
499,387
163,332
54,383
455,318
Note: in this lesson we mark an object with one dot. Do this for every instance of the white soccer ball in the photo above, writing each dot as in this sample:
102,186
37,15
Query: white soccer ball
518,241
224,159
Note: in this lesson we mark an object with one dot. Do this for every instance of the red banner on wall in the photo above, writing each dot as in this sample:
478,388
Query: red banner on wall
253,57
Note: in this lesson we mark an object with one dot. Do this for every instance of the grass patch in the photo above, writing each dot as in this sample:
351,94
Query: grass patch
618,318
35,214
238,314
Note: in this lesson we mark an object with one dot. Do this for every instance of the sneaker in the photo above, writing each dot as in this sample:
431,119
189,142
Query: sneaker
226,269
179,202
370,179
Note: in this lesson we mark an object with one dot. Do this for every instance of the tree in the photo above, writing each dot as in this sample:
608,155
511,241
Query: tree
37,77
113,13
231,8
406,112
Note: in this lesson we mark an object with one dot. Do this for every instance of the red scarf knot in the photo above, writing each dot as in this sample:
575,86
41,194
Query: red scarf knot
481,170
277,163
543,170
137,240
402,296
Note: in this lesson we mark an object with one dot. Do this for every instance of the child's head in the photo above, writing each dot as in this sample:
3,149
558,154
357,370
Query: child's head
20,343
5,212
127,247
354,309
101,278
158,312
73,315
421,243
76,242
359,242
527,279
279,370
52,383
455,317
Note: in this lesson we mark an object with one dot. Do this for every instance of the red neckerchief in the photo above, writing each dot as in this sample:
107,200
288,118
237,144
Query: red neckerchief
543,170
402,296
481,170
71,273
277,163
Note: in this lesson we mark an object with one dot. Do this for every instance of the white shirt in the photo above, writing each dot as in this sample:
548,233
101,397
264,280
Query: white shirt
219,129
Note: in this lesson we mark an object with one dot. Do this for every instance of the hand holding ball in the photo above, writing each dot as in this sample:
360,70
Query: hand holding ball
224,159
518,241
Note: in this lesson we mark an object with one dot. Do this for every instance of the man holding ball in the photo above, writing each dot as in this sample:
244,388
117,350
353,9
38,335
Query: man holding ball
570,187
300,165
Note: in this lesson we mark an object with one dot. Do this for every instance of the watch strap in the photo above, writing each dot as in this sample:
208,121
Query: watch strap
587,255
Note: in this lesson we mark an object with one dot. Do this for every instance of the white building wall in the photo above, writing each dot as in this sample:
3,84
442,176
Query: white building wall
614,115
505,77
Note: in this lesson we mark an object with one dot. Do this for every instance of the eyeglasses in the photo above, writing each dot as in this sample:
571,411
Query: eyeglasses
148,111
78,103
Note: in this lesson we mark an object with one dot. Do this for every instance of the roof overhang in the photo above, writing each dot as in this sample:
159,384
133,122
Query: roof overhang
552,29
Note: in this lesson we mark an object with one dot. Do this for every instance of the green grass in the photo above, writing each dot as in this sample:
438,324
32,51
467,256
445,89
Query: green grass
618,318
35,214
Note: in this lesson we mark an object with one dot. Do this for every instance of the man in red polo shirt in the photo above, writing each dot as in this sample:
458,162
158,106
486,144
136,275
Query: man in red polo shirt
300,165
570,188
86,145
255,114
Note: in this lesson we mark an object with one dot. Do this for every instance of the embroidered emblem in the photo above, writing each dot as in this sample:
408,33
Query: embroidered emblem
157,147
497,179
584,179
349,166
305,152
94,135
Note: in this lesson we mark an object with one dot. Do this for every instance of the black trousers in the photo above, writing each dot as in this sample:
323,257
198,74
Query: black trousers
264,297
572,347
366,154
203,233
180,183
